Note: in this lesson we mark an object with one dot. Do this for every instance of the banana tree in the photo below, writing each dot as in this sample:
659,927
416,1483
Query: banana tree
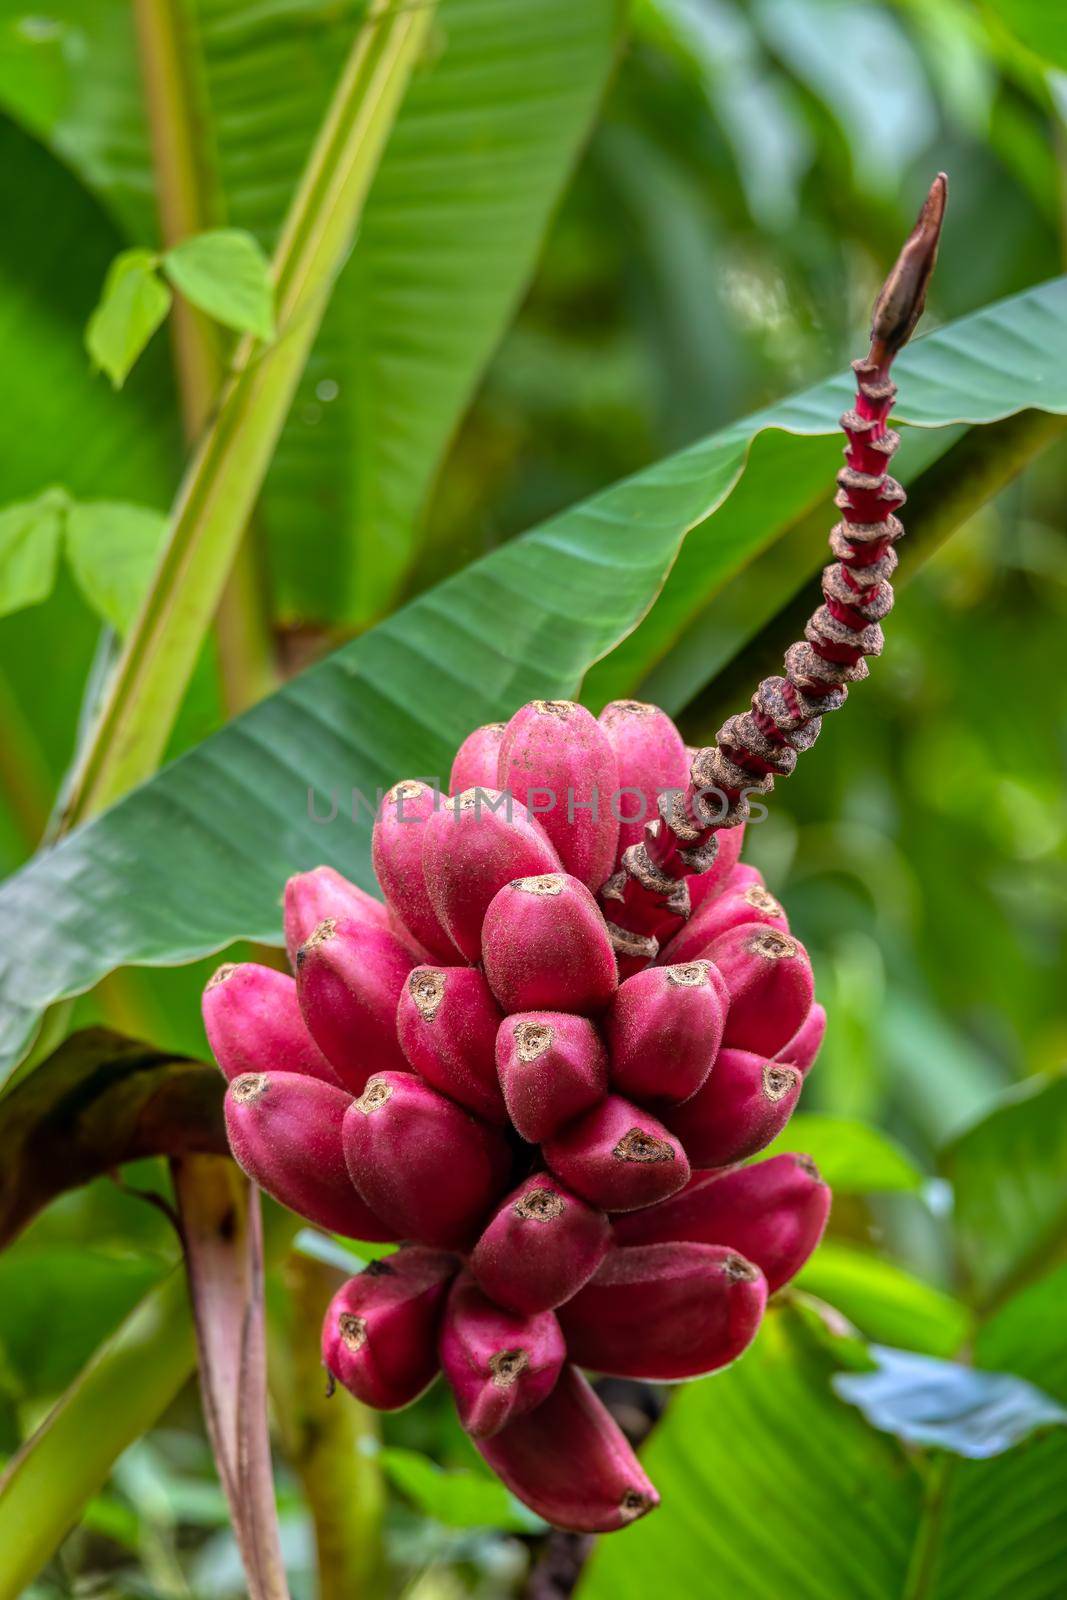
404,179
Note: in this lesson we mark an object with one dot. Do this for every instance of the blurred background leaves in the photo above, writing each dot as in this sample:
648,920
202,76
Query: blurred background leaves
711,242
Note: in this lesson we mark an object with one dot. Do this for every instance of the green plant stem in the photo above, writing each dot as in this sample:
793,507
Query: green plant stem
24,775
968,475
224,477
189,201
119,1395
331,1443
186,198
922,1568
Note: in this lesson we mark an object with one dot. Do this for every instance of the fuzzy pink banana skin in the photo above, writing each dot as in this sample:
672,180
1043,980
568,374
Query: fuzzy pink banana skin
773,1213
396,852
546,947
745,1103
498,1365
664,1312
473,845
618,1156
570,1463
477,759
428,1167
562,953
743,904
557,747
713,882
803,1048
311,897
349,981
552,1066
541,1246
447,1023
285,1133
719,912
253,1024
650,758
769,977
663,1031
379,1335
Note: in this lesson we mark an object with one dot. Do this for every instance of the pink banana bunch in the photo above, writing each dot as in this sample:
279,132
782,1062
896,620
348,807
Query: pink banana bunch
542,1061
459,1068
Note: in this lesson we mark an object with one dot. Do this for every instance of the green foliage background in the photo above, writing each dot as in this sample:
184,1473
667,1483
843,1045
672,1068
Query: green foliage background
700,242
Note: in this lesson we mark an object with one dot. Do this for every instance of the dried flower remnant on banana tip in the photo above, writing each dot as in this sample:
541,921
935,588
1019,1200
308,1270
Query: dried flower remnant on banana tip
543,1082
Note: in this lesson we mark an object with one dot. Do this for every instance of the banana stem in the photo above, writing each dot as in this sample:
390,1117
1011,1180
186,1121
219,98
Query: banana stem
331,1444
188,201
648,899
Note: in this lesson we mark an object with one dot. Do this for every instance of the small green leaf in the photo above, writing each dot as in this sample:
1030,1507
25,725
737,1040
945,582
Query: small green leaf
459,1499
131,308
852,1157
29,549
884,1301
948,1406
226,274
112,549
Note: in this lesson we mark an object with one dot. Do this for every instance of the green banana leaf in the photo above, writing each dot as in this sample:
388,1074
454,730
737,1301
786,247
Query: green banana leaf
485,140
884,1301
985,358
1009,1173
771,1485
60,423
196,857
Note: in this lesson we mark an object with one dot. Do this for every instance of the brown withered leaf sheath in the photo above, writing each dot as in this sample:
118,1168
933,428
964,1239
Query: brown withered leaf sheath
101,1100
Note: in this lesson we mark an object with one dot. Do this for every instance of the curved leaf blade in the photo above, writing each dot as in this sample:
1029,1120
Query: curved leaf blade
1009,1173
770,1487
758,1470
974,371
883,1301
196,857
